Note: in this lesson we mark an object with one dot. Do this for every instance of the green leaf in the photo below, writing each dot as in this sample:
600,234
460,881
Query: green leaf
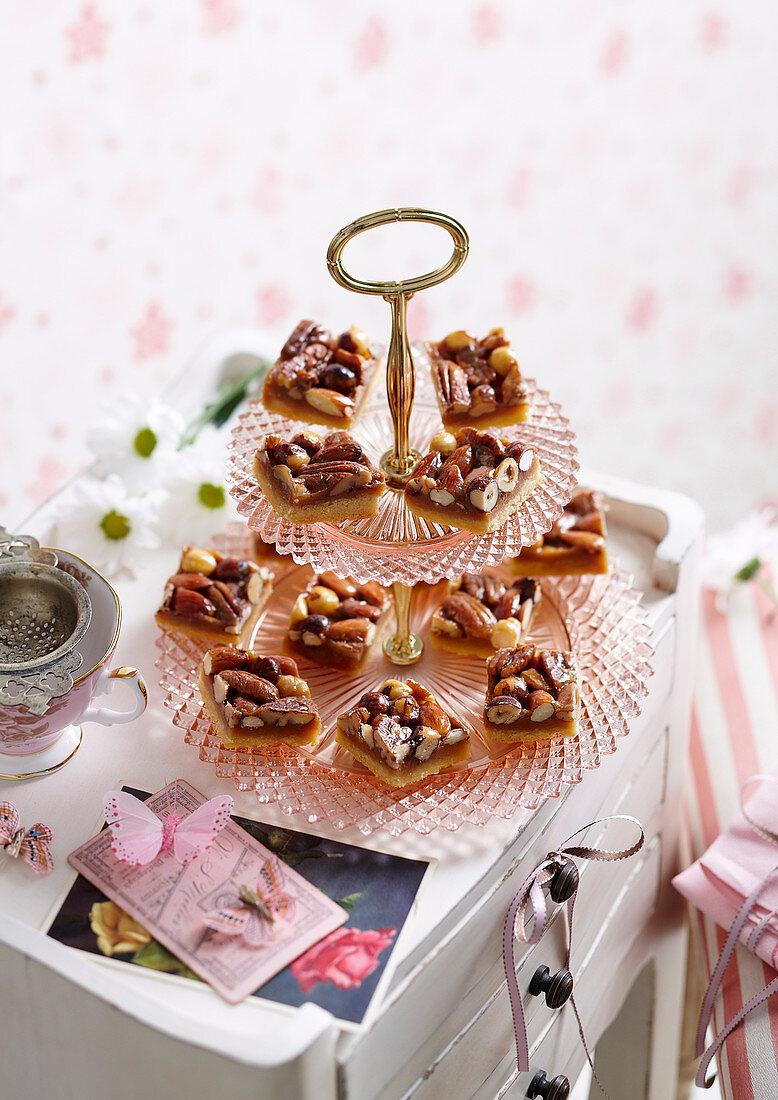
291,859
154,956
221,409
287,845
749,570
350,900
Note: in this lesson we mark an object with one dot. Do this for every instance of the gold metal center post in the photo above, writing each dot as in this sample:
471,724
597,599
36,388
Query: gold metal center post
400,461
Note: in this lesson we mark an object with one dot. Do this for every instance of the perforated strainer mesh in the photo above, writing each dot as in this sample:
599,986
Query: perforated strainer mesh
37,616
44,613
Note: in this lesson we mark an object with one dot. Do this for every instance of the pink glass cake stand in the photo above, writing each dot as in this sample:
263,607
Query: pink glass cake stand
600,617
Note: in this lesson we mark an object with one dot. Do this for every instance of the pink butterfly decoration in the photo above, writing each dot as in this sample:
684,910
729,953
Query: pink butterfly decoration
30,845
260,911
139,835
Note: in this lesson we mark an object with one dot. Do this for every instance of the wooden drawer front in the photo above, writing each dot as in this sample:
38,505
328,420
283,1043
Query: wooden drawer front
461,976
601,882
556,1048
478,1057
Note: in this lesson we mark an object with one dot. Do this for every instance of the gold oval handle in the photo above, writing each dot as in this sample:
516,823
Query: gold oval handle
406,287
400,462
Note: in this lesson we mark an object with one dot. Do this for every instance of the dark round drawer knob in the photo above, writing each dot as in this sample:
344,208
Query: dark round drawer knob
556,1089
557,987
564,883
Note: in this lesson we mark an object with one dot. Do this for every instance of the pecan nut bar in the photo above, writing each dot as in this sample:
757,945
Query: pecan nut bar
478,382
214,595
307,478
481,613
335,620
531,693
472,480
402,734
576,544
322,378
255,701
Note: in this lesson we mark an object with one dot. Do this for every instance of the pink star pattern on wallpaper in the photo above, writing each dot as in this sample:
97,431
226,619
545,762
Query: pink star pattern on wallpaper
7,314
614,54
642,310
220,16
713,31
372,45
520,294
737,283
87,36
274,304
189,189
152,335
487,24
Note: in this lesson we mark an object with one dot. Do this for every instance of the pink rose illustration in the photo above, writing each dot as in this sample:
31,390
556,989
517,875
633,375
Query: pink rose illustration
345,958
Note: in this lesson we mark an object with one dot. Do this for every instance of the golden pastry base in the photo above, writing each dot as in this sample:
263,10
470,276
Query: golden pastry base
405,775
527,730
216,634
357,504
556,561
421,505
275,399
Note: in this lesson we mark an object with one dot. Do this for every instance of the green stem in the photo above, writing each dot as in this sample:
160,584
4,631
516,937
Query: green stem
219,411
768,589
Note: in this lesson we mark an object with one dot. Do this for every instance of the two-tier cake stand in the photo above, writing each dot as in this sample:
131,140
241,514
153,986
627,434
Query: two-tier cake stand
599,617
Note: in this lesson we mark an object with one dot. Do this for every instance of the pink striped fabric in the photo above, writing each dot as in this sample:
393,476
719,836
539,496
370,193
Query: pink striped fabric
734,735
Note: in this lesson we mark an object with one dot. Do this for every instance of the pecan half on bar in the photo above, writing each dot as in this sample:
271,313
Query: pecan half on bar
322,378
483,613
308,478
531,693
576,543
256,700
480,479
402,734
335,620
478,382
214,595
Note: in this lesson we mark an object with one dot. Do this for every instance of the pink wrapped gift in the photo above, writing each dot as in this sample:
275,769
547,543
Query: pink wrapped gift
741,858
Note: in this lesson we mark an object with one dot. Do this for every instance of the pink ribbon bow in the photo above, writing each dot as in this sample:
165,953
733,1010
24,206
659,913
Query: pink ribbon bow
531,899
727,952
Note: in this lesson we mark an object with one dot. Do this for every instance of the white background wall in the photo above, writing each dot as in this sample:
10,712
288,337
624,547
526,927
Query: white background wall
167,169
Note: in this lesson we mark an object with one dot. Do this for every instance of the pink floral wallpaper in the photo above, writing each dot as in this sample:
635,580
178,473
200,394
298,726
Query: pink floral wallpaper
169,169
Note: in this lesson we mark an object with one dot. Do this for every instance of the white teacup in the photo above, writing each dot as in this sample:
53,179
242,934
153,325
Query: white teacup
33,745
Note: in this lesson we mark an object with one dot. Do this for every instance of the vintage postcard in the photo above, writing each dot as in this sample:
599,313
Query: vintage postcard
343,973
235,915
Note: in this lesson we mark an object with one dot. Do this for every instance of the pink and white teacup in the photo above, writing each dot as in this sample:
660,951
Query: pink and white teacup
33,745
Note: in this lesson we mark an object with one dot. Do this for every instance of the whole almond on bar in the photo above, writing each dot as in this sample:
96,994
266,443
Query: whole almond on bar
188,602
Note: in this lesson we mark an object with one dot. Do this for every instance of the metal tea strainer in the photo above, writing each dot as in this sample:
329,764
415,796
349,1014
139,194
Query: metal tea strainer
44,614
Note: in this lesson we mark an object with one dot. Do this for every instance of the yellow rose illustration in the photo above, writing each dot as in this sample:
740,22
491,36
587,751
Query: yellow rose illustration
117,933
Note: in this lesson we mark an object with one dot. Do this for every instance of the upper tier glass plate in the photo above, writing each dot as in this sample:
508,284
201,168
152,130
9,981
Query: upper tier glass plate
396,545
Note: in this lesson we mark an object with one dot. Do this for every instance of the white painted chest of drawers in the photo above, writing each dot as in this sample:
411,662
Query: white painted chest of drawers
77,1028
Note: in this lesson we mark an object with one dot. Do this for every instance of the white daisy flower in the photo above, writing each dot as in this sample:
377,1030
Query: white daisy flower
101,522
741,554
197,503
134,439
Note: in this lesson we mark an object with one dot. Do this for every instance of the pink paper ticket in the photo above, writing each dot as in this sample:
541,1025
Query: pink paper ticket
241,947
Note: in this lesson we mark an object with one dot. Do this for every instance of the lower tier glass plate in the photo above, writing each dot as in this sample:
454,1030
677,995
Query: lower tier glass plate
599,617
